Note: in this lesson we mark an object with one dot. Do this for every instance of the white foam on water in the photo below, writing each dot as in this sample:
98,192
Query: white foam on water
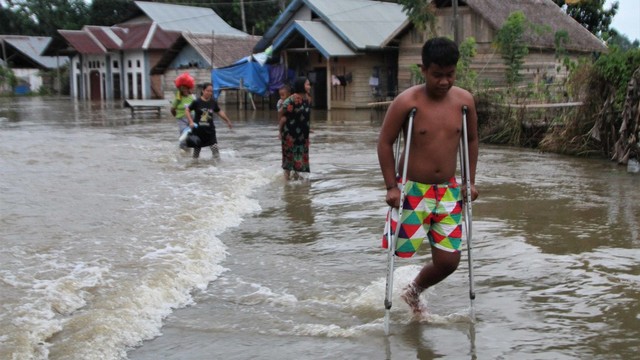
332,330
135,253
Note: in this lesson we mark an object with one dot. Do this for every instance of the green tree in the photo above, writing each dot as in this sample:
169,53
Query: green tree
620,40
14,21
51,15
591,14
465,77
7,77
109,12
616,68
510,43
419,12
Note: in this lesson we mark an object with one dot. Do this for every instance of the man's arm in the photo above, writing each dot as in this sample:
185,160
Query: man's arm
391,127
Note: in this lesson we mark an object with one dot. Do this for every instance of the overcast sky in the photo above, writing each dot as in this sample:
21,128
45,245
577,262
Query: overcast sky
627,20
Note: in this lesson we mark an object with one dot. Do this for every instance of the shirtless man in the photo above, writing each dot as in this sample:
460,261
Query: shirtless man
433,199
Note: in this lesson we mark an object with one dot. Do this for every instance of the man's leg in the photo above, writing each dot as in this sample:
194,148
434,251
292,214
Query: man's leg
443,264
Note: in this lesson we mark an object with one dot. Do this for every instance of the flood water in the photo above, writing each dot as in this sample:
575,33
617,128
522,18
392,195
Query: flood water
115,246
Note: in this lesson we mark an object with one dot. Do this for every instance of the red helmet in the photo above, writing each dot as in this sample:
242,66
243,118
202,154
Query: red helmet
185,79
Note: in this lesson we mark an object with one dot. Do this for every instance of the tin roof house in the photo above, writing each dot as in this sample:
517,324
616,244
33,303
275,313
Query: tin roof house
22,55
358,52
138,58
342,46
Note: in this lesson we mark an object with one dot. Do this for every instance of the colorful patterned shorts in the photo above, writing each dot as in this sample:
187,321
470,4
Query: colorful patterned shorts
428,210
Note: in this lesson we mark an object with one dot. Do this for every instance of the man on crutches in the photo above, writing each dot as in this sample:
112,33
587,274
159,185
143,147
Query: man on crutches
432,198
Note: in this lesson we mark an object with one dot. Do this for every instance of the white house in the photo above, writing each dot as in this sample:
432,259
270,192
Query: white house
122,61
22,55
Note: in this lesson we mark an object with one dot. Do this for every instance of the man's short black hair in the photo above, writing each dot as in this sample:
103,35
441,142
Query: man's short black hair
440,51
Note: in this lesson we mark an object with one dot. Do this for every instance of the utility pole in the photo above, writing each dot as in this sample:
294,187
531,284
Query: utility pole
244,20
456,35
213,40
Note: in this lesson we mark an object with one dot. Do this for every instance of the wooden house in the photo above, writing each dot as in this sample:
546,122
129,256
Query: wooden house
481,19
360,51
341,46
199,54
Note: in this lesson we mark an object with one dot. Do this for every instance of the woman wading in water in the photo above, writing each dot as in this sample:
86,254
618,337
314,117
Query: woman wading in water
294,128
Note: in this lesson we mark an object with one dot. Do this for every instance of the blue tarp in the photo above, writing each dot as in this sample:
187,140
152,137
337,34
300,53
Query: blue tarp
255,77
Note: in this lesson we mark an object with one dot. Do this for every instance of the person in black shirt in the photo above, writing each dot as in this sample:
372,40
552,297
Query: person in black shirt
203,129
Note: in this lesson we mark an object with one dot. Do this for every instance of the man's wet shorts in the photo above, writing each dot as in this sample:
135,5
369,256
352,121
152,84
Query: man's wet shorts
429,210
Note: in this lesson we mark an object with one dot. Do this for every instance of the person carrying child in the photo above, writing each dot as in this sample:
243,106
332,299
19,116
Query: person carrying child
205,108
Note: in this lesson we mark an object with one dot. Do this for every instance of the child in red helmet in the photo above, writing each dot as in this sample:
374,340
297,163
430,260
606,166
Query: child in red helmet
185,84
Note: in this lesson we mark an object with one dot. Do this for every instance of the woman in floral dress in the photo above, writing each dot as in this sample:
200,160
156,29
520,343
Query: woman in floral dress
294,129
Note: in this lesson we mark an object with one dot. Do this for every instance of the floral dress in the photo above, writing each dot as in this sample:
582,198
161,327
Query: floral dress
295,133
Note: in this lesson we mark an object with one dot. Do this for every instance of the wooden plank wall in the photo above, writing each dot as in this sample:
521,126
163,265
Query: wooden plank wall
539,64
169,87
359,93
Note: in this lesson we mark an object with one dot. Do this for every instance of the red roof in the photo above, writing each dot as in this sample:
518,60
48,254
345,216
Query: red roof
101,39
163,39
82,41
106,36
136,35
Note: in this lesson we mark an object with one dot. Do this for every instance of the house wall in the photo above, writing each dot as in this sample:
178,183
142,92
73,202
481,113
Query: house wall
167,80
116,87
82,66
155,82
360,91
133,75
74,71
130,67
188,58
488,63
29,76
409,54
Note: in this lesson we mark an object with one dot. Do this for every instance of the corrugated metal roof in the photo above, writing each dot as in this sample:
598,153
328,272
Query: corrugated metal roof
32,47
362,23
106,36
161,39
226,49
136,35
83,41
320,35
172,17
